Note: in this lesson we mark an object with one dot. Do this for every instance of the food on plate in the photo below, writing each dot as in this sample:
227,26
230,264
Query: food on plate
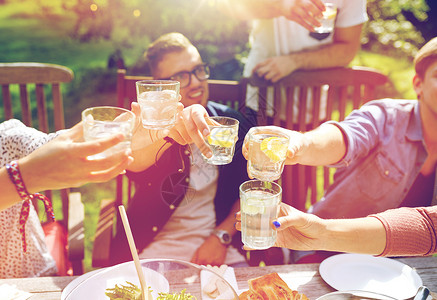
216,286
120,292
270,287
132,292
176,296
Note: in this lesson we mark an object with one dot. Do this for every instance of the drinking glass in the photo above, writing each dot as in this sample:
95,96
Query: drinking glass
267,153
158,100
222,138
104,121
328,19
259,205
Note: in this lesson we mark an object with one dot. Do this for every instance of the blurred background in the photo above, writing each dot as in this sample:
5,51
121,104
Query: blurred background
94,38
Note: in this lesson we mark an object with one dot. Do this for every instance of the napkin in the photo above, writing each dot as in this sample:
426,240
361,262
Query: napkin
10,292
229,276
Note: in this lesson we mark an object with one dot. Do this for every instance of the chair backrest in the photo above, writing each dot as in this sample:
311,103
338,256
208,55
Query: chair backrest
50,111
333,93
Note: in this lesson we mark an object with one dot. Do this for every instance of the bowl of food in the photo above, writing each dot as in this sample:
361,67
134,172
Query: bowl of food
165,279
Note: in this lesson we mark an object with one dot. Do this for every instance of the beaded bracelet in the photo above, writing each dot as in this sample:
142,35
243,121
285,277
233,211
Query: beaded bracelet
15,176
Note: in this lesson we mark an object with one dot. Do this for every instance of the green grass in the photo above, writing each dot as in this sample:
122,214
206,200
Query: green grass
26,37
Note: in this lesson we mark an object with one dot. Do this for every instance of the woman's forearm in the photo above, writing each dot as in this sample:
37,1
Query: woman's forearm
363,235
9,195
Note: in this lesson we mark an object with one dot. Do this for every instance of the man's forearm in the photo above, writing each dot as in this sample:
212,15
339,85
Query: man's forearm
323,146
340,53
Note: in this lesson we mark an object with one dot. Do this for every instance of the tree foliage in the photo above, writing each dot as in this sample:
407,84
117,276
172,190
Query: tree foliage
399,27
396,28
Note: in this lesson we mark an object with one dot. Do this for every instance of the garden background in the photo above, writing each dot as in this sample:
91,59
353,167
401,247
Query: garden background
93,38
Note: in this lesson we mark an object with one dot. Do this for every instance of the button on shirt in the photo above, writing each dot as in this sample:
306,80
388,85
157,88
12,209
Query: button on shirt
385,153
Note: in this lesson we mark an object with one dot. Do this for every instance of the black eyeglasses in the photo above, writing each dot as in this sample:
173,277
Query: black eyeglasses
201,72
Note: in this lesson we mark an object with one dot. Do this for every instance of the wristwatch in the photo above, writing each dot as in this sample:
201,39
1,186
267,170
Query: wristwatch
224,236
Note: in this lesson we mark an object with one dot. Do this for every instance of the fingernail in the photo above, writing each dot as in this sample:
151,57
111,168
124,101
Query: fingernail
209,154
205,132
277,224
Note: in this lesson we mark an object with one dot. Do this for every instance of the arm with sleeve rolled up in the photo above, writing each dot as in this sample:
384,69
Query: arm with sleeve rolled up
322,146
325,145
405,231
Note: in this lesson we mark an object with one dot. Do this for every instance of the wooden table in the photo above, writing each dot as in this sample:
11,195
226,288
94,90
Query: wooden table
303,277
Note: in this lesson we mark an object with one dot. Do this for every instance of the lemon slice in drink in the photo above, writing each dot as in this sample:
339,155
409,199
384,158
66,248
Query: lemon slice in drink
275,148
252,209
221,138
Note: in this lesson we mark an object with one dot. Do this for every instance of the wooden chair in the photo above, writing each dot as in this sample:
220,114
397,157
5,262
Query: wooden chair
347,89
355,85
36,109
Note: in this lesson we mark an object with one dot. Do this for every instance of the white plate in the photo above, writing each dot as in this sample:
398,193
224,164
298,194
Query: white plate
93,286
368,273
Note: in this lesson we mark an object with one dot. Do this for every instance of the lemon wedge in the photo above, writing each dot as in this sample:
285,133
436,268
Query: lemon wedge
329,14
221,138
275,148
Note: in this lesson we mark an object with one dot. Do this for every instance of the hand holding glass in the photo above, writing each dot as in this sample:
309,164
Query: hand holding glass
259,205
328,19
222,138
104,121
267,153
158,100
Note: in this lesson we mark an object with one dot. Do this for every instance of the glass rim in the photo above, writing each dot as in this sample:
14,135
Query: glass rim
272,131
121,109
164,82
331,5
279,192
225,118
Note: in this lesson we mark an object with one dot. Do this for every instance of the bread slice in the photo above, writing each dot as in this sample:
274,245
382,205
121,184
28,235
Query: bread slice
270,287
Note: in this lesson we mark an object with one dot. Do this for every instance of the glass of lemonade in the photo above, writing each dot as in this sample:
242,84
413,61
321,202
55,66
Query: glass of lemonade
328,19
158,100
267,153
104,121
222,138
259,205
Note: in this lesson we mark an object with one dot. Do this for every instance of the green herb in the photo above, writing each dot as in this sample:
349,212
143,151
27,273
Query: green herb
124,292
176,296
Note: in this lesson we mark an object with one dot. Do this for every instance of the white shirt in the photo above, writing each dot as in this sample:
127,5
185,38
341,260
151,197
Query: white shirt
280,36
193,221
16,141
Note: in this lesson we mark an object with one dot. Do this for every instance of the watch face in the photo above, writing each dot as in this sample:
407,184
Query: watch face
226,238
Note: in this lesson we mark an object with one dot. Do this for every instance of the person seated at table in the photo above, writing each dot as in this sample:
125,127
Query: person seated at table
404,231
183,208
385,152
38,162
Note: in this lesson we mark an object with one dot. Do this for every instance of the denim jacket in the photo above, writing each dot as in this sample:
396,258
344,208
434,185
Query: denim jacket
385,153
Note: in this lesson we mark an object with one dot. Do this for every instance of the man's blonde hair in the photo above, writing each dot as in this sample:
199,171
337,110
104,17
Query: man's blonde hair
167,43
425,57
